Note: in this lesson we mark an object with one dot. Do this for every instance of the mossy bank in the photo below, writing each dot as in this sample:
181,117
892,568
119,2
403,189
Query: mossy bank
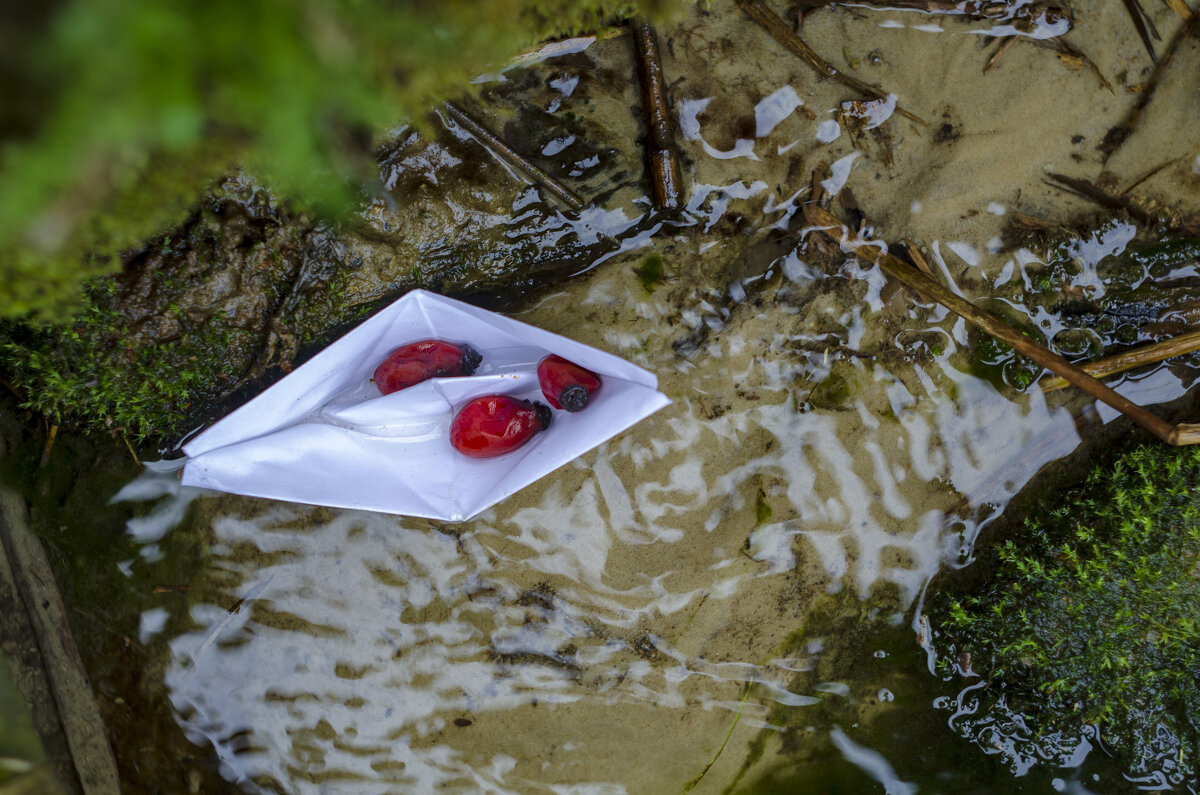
1089,631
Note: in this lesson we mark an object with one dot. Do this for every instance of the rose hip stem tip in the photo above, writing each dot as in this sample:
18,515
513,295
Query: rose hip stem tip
419,361
574,398
565,384
544,414
470,359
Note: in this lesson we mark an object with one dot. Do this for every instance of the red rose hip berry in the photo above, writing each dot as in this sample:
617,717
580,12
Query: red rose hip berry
565,384
419,361
493,425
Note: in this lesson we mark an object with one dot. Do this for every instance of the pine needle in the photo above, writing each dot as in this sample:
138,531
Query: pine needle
692,784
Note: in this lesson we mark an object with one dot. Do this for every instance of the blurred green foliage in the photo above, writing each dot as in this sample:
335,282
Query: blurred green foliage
118,113
1093,619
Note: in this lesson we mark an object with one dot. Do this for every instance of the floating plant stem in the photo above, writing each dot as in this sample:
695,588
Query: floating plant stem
782,33
660,129
933,291
491,141
1148,354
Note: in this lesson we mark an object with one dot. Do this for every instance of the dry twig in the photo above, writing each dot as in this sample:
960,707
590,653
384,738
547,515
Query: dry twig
48,447
129,447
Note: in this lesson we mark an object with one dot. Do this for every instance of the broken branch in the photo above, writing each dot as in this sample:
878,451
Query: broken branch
779,30
491,141
660,130
931,290
1148,354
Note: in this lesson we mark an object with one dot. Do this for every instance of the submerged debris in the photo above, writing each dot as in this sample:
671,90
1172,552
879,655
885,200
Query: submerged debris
1118,135
782,33
666,187
1042,19
1145,27
1182,434
492,142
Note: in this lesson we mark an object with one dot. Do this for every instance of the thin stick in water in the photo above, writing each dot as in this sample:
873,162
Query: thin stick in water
1118,135
1119,363
493,142
782,33
1145,27
933,291
665,183
692,784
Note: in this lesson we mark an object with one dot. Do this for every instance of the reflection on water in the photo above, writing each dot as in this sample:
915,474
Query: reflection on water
597,632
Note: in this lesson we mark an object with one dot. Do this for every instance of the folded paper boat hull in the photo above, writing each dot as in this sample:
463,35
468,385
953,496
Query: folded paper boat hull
325,436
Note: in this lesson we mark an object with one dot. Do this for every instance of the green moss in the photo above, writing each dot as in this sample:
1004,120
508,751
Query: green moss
995,361
84,373
1093,617
650,271
1162,254
762,509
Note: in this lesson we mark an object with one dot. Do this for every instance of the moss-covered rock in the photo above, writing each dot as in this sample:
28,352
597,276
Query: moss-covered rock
248,286
119,114
1089,630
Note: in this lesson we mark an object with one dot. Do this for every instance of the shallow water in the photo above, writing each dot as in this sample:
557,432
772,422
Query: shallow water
727,594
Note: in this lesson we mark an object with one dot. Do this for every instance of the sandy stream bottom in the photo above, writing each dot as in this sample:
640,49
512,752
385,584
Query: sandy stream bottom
595,632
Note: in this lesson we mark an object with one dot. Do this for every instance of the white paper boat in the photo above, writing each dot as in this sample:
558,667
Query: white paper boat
324,435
